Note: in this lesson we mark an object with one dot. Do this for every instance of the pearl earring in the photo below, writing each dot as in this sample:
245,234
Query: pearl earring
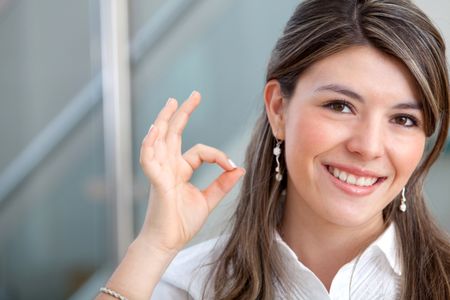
277,152
402,206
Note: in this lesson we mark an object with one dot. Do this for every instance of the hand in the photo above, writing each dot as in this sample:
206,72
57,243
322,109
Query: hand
177,209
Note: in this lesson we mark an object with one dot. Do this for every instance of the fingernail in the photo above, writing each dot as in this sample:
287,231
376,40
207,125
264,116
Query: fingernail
150,129
194,92
232,164
169,100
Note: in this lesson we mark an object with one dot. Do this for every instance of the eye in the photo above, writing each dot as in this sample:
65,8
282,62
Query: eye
406,121
340,106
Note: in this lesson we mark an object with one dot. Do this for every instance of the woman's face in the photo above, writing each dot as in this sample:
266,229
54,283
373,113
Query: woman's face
353,133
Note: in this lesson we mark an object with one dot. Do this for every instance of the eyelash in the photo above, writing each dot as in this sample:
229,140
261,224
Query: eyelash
332,104
329,105
414,121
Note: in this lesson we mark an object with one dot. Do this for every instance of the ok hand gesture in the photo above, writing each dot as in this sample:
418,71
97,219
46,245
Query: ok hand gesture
177,209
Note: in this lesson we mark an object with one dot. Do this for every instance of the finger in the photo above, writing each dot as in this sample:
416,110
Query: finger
221,186
147,153
150,137
162,120
179,120
199,154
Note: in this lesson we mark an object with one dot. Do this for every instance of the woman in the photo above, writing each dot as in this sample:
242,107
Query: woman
331,206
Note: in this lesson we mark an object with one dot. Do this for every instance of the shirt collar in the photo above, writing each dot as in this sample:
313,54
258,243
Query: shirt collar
387,243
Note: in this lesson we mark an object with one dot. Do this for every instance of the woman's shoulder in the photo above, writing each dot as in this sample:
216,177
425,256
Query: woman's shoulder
189,271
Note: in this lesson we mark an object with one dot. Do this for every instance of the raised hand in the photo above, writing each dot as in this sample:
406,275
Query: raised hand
177,209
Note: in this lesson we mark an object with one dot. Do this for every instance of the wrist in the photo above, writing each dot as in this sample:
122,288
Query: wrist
141,269
154,246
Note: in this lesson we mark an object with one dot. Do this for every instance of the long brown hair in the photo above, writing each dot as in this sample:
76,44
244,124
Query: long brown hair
250,266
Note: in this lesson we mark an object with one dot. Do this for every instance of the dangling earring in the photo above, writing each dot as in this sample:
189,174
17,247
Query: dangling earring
402,206
277,152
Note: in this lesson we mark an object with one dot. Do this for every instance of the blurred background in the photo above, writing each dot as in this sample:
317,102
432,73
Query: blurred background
72,194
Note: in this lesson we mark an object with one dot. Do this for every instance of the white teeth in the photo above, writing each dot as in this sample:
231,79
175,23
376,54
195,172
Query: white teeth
335,172
361,181
352,179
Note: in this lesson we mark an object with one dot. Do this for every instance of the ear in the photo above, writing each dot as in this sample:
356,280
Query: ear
275,108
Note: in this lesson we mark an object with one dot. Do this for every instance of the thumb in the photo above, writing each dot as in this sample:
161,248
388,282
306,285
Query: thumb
221,186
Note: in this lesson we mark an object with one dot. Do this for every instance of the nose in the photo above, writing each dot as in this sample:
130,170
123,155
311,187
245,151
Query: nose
367,140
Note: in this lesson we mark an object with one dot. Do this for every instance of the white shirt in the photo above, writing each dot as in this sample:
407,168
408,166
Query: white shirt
377,274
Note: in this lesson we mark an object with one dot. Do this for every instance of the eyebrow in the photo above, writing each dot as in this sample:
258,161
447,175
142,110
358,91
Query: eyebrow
340,89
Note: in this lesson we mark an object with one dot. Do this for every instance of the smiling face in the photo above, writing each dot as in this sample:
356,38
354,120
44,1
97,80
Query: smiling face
353,132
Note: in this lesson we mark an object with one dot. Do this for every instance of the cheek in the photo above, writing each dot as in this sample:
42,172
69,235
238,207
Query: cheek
311,135
303,137
306,138
407,155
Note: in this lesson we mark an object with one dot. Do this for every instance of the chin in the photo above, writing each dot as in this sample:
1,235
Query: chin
351,217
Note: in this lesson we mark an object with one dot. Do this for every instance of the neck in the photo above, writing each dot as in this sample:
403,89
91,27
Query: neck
322,246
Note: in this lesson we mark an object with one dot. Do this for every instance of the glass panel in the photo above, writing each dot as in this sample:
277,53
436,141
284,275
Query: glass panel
46,58
53,232
53,229
142,11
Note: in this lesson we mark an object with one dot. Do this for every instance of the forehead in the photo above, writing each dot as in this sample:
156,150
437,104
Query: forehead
365,70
